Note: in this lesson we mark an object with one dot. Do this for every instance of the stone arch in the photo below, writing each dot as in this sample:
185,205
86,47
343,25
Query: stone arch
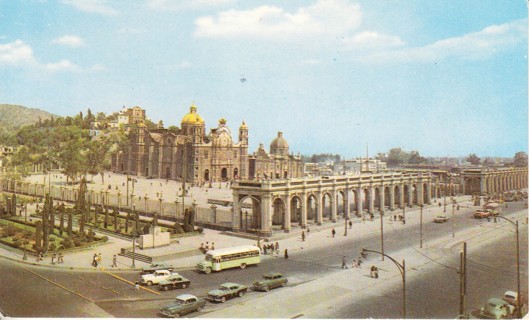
415,194
250,209
355,197
278,214
398,196
406,195
378,198
312,206
472,186
326,203
341,201
387,197
206,175
366,197
295,209
224,174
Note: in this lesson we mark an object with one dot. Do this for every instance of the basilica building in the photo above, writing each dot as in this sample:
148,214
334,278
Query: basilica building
191,154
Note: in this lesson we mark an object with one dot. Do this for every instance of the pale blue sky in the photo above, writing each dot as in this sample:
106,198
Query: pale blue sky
446,78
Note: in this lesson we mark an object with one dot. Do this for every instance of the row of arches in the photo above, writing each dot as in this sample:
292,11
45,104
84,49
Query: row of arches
317,207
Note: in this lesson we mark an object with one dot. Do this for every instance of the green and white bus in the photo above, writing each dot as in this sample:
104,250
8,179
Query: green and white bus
235,257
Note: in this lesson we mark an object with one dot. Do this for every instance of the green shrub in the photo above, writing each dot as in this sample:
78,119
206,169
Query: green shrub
17,243
200,229
104,238
52,246
10,230
67,243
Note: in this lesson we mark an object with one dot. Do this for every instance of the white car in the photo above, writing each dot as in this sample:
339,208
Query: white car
156,277
441,219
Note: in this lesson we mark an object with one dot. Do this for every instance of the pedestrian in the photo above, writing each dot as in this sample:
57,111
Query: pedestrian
94,260
354,265
207,246
213,246
286,254
99,258
302,235
202,248
60,258
439,204
350,224
137,286
344,264
308,230
363,219
359,263
39,256
372,271
114,261
394,217
265,248
376,273
53,256
277,247
333,232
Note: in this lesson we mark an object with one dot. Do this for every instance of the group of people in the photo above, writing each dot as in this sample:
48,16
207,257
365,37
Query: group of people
59,257
270,248
96,260
400,217
355,264
206,248
374,272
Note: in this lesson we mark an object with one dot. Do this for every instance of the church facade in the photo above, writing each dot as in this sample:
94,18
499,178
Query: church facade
191,154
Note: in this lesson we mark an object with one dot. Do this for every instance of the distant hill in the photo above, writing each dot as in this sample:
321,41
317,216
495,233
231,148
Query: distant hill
13,117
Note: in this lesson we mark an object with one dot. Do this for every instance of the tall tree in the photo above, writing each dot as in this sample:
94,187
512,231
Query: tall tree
520,159
98,157
473,159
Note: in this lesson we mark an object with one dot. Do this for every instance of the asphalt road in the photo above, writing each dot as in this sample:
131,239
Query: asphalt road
45,292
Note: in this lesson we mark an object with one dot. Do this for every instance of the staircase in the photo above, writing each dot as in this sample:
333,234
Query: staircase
135,256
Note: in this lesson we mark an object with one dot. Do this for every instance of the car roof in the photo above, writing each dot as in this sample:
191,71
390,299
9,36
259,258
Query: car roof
511,293
272,274
185,296
230,284
496,301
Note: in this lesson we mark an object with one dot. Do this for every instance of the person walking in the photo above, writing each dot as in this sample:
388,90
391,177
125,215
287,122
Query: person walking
213,246
286,254
53,256
333,232
302,235
277,248
350,224
344,263
60,258
94,261
137,286
114,261
99,258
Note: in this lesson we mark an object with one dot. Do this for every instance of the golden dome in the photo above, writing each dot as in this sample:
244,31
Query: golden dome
192,117
243,125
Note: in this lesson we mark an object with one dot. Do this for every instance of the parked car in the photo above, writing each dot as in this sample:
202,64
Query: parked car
269,281
155,278
184,304
227,291
157,266
441,219
511,297
479,214
497,308
173,282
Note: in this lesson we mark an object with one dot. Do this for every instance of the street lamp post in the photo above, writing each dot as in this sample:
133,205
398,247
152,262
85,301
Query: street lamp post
402,269
518,298
421,206
453,221
25,257
382,234
133,237
146,208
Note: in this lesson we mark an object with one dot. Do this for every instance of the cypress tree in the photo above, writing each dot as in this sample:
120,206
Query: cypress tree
51,216
38,235
14,205
45,224
106,218
70,223
115,214
81,225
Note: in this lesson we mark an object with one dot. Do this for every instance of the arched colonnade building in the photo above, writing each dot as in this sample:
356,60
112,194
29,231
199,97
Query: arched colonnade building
488,181
261,206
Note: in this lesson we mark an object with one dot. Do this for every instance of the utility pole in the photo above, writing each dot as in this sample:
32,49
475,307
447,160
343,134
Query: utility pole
421,224
462,279
382,233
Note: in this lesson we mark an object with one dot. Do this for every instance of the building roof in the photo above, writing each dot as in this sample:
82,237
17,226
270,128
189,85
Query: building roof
192,117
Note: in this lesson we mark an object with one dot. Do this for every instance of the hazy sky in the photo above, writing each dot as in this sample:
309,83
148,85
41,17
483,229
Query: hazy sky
446,78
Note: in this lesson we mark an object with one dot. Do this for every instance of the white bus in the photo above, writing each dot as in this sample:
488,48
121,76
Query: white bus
235,257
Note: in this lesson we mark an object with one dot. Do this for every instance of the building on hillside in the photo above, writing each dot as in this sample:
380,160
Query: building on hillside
127,117
188,153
